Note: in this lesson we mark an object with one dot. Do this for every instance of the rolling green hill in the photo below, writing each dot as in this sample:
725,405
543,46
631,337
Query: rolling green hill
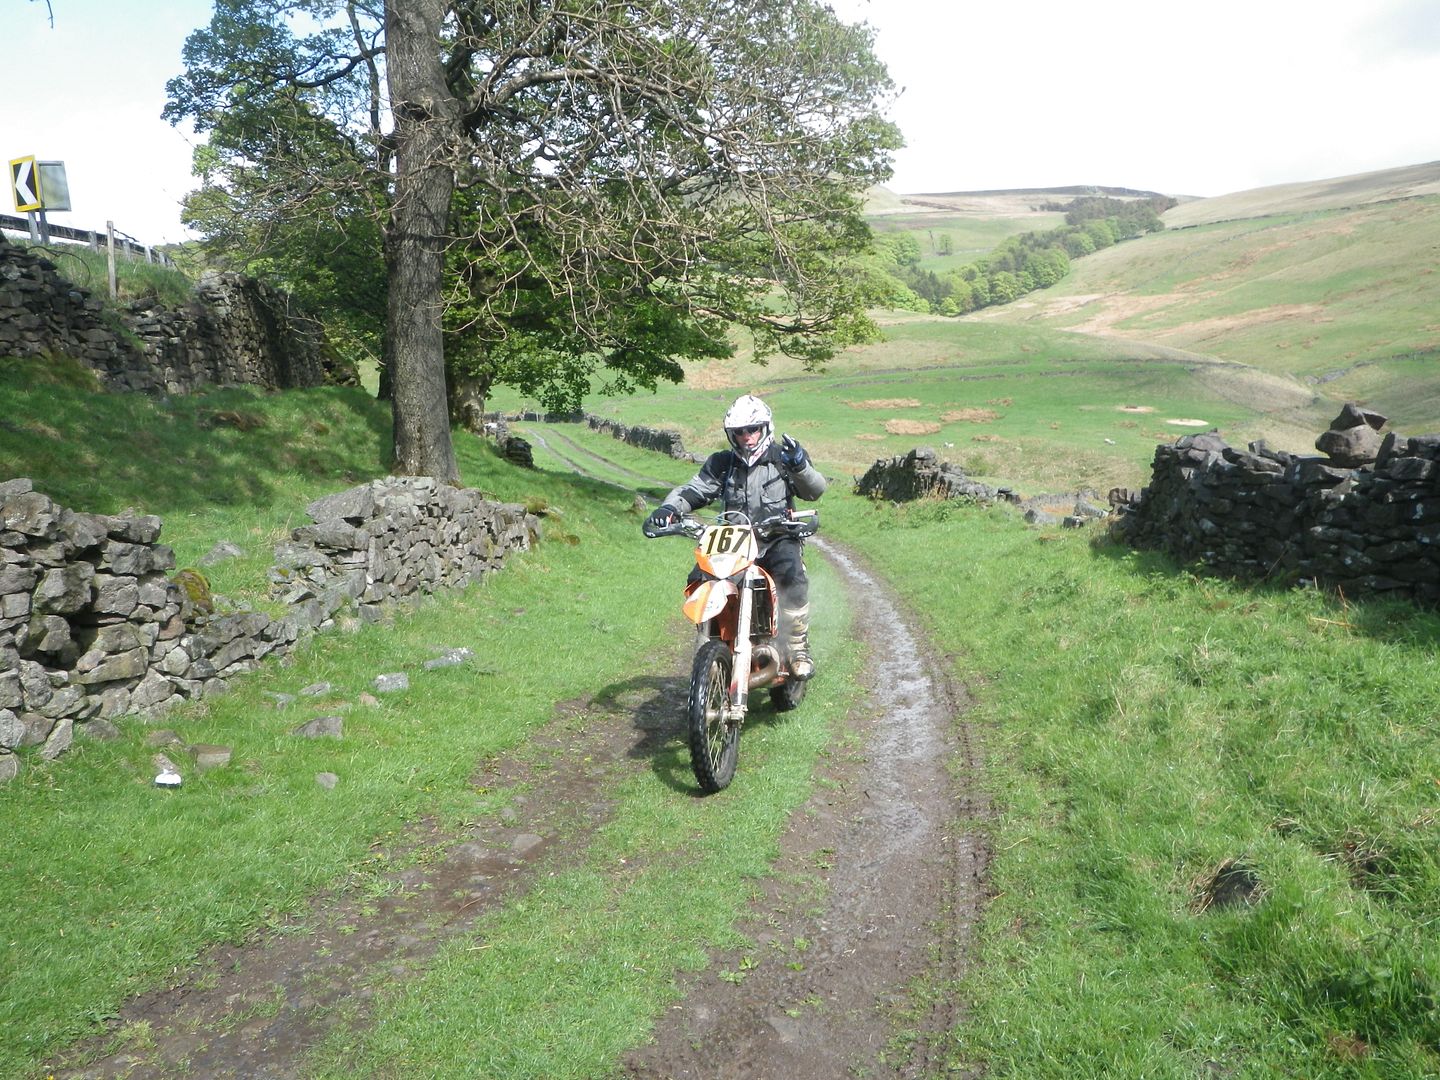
1329,284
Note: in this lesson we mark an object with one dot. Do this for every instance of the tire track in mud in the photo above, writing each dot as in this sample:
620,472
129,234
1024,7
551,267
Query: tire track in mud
896,830
574,455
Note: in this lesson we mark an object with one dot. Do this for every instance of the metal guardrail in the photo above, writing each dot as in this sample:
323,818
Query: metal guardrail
123,243
112,241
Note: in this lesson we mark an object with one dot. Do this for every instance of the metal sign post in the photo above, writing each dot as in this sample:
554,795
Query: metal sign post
38,186
110,233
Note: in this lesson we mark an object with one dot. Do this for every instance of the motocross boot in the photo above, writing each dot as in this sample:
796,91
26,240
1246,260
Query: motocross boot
796,622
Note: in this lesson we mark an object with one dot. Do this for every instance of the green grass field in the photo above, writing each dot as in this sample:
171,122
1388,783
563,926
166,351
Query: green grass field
1024,406
1216,845
968,236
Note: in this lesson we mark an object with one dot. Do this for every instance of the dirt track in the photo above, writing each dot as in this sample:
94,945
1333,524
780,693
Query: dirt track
896,827
905,888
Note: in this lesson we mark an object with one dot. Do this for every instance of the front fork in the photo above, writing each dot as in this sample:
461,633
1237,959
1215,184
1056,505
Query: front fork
740,669
742,653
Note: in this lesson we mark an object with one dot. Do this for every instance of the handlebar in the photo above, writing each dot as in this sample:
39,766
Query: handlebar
804,523
682,526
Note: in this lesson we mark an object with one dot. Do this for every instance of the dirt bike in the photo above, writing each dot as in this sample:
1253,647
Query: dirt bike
736,607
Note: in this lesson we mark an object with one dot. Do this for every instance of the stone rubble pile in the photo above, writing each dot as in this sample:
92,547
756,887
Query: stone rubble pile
517,451
92,625
921,474
1069,510
1364,518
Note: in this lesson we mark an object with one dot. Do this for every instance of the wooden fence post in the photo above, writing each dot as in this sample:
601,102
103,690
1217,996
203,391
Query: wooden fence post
110,232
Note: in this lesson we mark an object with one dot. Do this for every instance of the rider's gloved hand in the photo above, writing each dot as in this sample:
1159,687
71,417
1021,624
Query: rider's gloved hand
662,517
792,454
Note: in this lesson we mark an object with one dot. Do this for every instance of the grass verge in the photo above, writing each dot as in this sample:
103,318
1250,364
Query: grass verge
1217,841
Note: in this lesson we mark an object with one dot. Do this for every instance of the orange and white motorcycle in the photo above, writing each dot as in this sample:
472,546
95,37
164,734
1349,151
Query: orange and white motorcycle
736,607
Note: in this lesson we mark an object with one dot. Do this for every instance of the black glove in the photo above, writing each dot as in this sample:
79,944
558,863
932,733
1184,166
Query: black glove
662,517
792,454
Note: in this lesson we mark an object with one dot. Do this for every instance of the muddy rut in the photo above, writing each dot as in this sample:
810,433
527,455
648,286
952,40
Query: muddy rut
894,831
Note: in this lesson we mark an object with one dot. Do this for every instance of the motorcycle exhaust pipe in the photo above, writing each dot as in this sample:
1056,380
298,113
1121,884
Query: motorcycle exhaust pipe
764,666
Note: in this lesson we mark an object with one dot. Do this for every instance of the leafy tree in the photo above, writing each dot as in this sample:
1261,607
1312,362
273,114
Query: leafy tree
1077,243
330,258
563,187
1004,287
1100,232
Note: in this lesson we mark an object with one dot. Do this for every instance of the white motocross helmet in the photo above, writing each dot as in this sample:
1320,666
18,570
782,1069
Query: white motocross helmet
749,411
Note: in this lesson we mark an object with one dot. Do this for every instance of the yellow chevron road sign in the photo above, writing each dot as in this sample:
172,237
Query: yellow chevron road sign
25,185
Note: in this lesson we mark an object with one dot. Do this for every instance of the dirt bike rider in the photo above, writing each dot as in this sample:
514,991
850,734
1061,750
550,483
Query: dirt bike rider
760,478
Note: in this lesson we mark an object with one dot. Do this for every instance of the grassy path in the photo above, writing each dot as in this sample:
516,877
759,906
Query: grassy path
533,914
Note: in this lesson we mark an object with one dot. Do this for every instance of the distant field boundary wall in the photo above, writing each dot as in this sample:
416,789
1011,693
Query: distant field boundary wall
235,331
1368,530
664,442
93,625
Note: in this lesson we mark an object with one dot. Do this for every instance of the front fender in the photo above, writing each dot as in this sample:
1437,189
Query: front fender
708,599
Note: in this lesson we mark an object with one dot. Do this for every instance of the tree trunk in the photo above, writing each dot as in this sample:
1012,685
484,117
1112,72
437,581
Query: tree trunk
425,127
468,394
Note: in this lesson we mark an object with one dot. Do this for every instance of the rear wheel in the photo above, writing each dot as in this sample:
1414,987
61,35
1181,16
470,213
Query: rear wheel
788,694
714,731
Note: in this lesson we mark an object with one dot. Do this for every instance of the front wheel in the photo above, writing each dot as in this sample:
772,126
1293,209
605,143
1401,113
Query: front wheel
714,731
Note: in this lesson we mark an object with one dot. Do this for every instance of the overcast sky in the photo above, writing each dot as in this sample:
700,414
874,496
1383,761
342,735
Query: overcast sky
1192,99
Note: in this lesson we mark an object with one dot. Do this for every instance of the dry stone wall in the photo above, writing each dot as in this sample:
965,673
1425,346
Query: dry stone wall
646,438
93,625
235,331
1365,517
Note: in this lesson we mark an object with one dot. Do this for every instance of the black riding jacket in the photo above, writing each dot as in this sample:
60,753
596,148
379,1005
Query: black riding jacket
761,490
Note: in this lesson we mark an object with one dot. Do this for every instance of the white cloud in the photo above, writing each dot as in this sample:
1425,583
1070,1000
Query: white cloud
89,93
1186,99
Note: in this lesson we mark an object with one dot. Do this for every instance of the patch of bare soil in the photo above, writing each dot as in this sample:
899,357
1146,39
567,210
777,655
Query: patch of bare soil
1186,421
886,403
1115,308
870,436
969,416
1136,408
911,427
896,831
715,375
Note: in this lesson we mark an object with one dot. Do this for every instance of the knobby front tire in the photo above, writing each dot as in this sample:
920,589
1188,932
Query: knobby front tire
714,733
788,694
